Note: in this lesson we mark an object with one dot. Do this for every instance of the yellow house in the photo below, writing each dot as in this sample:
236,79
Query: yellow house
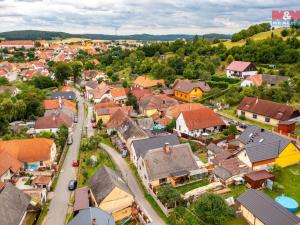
188,91
110,193
263,148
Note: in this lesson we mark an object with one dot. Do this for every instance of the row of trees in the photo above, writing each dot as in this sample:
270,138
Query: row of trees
254,29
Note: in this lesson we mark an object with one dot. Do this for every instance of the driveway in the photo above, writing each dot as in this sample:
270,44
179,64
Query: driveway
129,177
59,204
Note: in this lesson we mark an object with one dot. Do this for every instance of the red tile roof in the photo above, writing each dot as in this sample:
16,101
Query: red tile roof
8,162
54,121
119,92
45,180
145,82
28,150
255,79
267,108
116,119
202,118
159,102
139,93
174,111
238,66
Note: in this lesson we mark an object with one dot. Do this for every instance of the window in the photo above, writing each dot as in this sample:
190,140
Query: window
254,116
162,180
41,163
267,119
242,113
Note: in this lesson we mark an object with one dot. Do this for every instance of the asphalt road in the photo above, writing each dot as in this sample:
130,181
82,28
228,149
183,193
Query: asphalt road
129,177
59,204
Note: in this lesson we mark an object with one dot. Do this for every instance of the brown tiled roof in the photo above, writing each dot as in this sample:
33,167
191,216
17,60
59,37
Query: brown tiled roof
259,175
186,86
145,82
8,162
54,121
163,121
175,110
238,66
159,102
202,118
45,180
81,198
54,104
119,92
267,108
139,93
116,119
28,150
105,105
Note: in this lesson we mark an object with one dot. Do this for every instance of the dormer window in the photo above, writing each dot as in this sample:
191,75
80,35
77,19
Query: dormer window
261,140
250,135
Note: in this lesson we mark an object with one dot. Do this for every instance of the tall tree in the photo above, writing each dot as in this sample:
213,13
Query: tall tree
76,67
62,71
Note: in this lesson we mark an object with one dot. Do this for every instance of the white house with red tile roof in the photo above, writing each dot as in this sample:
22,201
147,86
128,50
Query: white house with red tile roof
240,69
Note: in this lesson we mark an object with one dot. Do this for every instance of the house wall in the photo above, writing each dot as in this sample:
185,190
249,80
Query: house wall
246,83
150,112
117,202
53,130
105,118
250,217
263,165
260,118
188,97
289,156
244,158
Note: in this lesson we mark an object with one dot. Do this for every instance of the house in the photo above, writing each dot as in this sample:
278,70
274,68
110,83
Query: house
257,208
103,91
240,69
115,121
32,153
14,205
259,79
70,95
9,166
265,111
213,150
110,193
81,199
90,85
53,122
129,131
229,169
17,44
93,216
175,110
119,95
65,106
91,75
38,195
168,164
41,181
188,91
145,123
139,148
144,82
261,148
105,113
196,122
258,179
155,104
139,93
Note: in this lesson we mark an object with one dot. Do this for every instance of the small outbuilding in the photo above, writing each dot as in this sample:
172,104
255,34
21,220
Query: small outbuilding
257,179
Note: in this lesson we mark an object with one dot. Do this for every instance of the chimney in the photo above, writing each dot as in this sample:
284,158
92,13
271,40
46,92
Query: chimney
167,149
94,222
59,102
256,100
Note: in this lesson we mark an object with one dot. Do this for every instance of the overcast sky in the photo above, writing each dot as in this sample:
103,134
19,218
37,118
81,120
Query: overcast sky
139,16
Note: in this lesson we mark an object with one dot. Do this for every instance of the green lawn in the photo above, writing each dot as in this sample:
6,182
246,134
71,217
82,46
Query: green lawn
232,114
188,187
289,178
87,170
297,131
236,221
236,190
202,156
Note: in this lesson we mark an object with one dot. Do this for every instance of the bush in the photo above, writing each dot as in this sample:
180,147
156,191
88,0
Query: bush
242,117
169,196
212,209
218,84
284,33
225,79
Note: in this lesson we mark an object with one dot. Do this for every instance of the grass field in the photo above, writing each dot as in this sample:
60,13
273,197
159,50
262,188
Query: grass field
188,187
256,37
289,178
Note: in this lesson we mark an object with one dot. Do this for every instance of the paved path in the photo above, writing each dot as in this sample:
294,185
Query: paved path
133,185
87,122
59,204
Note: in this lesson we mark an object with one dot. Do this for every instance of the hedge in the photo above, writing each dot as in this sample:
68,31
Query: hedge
225,79
218,84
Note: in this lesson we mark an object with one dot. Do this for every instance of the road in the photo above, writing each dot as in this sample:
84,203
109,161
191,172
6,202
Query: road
59,204
130,178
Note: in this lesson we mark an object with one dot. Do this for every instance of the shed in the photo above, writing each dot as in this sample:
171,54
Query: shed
286,127
256,179
81,196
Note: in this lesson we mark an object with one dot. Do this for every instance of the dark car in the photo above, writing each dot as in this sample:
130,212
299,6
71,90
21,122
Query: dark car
72,185
75,119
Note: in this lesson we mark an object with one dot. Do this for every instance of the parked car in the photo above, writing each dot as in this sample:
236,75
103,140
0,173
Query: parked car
124,153
70,140
75,119
75,163
72,185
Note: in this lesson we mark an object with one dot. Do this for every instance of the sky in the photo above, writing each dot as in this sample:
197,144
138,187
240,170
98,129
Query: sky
139,16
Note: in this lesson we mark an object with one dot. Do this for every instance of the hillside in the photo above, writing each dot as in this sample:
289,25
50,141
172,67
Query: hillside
256,37
49,35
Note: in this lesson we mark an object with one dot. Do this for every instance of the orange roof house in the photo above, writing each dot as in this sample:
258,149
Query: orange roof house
53,122
9,163
145,82
175,110
119,94
30,150
198,121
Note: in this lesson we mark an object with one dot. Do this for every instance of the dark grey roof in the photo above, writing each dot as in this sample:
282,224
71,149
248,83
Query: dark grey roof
64,95
13,205
92,84
86,216
160,164
214,148
145,123
273,79
266,210
261,144
222,173
144,145
104,181
129,129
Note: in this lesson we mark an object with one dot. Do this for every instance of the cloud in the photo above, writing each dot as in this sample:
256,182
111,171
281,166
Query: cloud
143,16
